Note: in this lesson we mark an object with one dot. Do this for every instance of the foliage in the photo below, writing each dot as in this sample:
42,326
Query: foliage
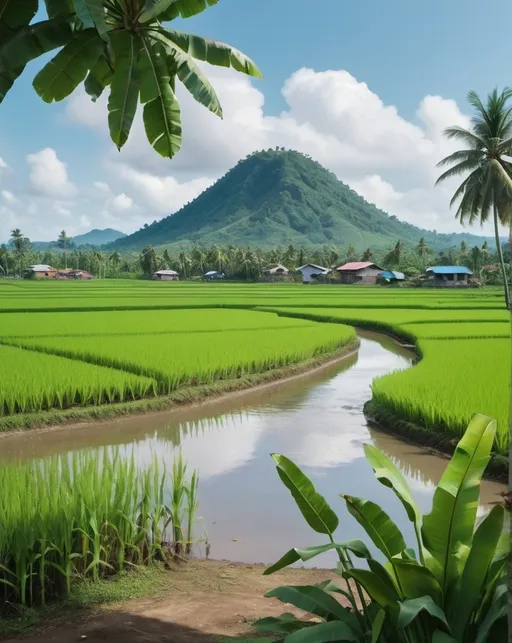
487,188
451,587
122,45
87,516
276,198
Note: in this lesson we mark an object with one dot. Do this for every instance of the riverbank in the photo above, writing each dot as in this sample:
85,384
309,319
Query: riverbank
199,601
187,396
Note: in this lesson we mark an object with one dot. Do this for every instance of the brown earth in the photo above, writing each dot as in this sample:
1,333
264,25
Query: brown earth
202,602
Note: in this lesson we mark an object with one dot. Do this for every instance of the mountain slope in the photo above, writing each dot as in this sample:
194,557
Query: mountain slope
98,237
277,198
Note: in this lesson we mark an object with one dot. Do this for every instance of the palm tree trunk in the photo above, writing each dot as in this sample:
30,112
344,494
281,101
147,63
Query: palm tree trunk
500,257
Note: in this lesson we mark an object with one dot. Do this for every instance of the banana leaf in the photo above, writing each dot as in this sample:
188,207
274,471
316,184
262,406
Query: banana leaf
357,547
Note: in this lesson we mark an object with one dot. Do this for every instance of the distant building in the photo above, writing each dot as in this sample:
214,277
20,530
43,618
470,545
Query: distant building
69,273
359,272
309,271
391,275
213,275
166,275
275,273
40,271
447,276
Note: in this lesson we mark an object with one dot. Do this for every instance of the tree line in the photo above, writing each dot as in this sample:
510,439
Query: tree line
235,262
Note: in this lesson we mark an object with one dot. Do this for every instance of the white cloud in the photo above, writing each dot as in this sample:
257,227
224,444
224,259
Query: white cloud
120,202
3,164
48,175
101,186
9,197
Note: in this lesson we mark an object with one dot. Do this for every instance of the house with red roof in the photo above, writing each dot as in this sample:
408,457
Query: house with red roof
359,272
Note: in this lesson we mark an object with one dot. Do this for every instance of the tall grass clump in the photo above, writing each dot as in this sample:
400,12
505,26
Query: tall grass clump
86,516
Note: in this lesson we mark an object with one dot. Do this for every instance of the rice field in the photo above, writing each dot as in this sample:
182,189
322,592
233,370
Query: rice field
158,337
87,516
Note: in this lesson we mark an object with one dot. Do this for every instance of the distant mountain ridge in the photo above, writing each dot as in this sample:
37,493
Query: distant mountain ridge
94,237
276,198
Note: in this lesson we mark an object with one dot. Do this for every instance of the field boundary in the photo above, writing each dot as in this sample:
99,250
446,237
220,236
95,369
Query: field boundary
191,395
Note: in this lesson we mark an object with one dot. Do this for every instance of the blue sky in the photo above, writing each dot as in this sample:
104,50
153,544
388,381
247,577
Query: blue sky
402,51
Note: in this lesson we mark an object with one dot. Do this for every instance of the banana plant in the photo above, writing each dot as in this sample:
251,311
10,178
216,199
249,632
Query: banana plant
121,44
451,587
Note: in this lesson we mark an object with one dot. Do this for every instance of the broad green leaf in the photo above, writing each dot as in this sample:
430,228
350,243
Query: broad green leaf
355,546
442,637
34,41
382,591
162,119
389,475
452,519
416,580
378,525
153,9
59,8
377,625
99,77
15,14
311,599
212,51
286,623
124,88
92,14
472,581
498,610
61,76
314,507
324,633
186,8
7,79
411,609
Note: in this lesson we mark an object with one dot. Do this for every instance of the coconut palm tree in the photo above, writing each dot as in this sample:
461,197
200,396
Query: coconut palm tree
367,255
487,187
63,242
20,245
121,44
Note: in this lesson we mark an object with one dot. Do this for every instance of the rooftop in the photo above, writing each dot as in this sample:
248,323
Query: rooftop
357,265
313,265
166,272
450,270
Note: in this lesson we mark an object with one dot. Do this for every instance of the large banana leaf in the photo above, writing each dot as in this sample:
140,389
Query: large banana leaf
377,586
378,525
15,14
92,14
59,8
33,41
191,75
153,9
451,522
99,77
124,89
186,8
313,506
311,599
212,51
7,79
388,475
325,633
162,119
61,76
284,624
416,580
497,611
411,609
357,547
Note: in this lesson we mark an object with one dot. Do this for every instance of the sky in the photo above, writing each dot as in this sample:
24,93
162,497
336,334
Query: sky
366,88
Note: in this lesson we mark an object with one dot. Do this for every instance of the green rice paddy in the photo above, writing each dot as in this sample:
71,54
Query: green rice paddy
103,341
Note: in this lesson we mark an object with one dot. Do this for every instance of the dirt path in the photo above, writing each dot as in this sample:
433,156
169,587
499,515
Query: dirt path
205,602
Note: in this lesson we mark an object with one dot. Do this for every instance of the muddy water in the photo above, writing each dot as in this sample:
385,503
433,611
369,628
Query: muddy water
247,514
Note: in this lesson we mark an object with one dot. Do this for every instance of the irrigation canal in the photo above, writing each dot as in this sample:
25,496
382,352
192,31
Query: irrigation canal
316,420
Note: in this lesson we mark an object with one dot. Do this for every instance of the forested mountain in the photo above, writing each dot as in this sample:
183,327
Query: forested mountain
279,197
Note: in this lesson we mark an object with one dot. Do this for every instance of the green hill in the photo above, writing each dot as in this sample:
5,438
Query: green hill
276,198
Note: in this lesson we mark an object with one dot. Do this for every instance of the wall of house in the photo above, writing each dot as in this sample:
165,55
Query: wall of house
307,273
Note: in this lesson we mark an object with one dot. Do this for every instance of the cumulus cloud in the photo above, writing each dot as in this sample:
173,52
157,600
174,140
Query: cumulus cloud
49,176
9,197
120,202
3,164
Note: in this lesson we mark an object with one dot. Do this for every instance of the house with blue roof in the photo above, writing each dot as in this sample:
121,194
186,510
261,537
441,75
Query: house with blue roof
447,276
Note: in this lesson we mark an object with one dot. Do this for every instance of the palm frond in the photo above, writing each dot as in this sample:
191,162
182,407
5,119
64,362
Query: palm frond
470,138
463,155
456,170
462,187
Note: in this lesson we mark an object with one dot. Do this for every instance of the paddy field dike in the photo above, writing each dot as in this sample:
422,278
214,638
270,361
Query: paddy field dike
76,351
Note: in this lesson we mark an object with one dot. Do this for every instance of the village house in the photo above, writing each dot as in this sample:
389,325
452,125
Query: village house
40,271
166,275
213,275
309,271
69,273
276,272
359,272
447,276
391,276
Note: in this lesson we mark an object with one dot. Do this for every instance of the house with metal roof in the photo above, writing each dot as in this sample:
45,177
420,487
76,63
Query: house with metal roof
391,275
359,272
310,271
40,271
166,275
213,275
447,276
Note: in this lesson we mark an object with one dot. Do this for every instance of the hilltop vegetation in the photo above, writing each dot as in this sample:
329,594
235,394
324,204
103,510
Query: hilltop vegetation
278,197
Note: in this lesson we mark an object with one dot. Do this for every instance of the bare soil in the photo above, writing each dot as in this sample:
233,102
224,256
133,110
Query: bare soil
205,602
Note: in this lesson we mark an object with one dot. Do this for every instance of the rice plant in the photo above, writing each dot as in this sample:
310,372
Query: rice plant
85,516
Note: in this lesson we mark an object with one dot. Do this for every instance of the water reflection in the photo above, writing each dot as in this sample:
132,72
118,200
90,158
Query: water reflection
316,420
